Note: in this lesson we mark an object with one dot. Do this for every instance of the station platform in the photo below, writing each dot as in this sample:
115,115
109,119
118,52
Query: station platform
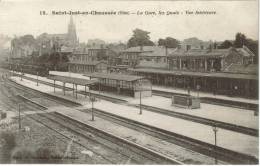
204,94
231,115
80,88
239,116
227,139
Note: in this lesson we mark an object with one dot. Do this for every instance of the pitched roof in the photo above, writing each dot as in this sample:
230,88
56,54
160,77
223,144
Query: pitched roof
199,74
200,52
150,50
119,77
246,69
87,63
138,49
158,51
78,81
213,53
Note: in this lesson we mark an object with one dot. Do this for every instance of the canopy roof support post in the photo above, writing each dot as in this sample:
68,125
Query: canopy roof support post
54,86
99,87
85,91
73,88
89,91
63,87
76,91
194,82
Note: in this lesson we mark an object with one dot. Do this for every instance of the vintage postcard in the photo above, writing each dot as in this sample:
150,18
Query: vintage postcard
129,82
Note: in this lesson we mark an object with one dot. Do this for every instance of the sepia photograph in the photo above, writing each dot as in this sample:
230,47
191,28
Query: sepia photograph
120,82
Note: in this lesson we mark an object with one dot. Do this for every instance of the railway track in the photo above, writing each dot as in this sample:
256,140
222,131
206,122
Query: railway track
210,122
120,145
208,100
186,142
105,156
144,145
34,93
223,125
204,148
83,138
117,150
100,96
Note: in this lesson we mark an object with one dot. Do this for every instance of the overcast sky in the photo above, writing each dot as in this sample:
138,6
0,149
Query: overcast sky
20,17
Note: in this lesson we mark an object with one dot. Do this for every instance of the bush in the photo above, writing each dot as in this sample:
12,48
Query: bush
41,155
23,155
8,140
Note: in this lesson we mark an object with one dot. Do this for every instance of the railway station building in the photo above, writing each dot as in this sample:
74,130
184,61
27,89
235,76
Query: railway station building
87,67
219,71
129,85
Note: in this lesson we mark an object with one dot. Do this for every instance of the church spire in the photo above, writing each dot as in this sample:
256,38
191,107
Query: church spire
71,20
72,35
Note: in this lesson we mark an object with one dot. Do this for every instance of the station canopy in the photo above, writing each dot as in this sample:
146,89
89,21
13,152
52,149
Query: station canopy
199,74
73,80
119,77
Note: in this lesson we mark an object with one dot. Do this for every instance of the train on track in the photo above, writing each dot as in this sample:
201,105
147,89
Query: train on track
30,69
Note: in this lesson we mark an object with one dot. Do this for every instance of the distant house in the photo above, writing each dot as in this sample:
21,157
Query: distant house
23,46
144,56
79,57
88,67
155,58
209,60
194,43
130,55
219,71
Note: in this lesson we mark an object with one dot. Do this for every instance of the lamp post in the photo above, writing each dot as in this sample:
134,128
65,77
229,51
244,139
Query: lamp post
10,70
140,88
215,130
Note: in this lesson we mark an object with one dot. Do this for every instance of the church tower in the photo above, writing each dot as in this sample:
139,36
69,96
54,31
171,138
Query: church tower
72,35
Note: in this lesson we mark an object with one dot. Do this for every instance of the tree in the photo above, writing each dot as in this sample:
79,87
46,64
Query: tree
140,38
54,59
240,40
226,44
168,42
161,42
251,44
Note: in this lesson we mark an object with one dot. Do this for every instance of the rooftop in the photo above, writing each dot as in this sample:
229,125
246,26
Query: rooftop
87,63
199,74
246,69
158,51
213,52
73,80
119,77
